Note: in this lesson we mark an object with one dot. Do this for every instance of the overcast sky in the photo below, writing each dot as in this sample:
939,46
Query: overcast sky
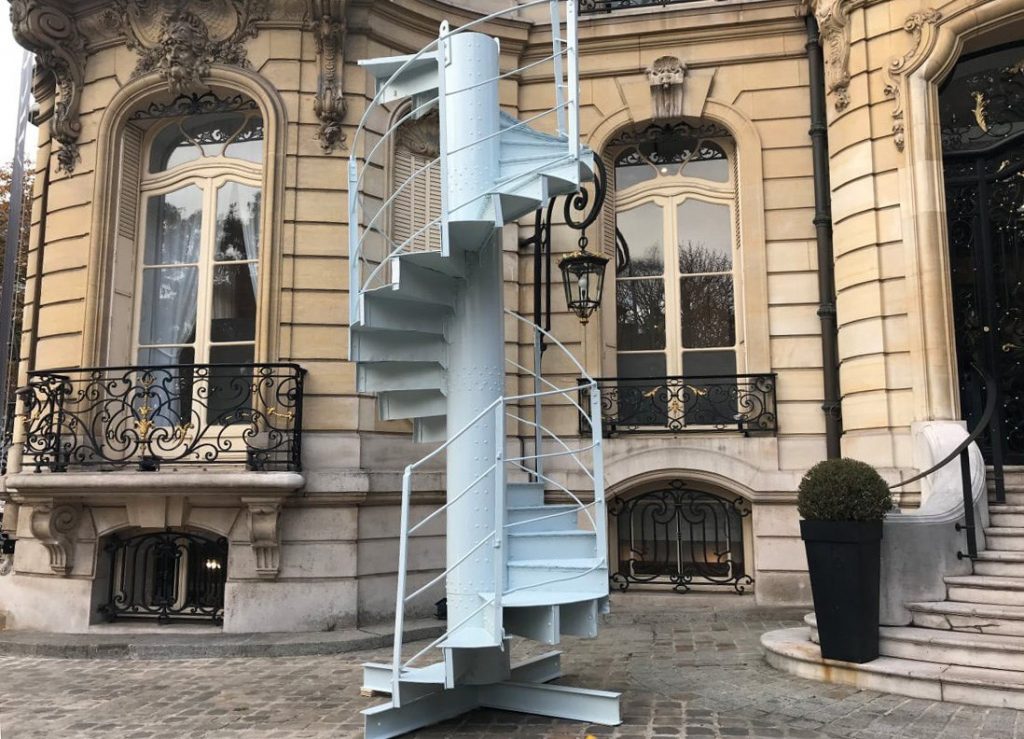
10,66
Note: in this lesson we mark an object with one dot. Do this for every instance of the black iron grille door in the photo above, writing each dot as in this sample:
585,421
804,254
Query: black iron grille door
168,576
982,110
680,537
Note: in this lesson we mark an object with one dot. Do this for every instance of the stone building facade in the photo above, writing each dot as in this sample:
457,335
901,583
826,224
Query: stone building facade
200,150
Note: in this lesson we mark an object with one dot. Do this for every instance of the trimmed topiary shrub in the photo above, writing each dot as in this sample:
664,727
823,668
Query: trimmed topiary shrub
843,490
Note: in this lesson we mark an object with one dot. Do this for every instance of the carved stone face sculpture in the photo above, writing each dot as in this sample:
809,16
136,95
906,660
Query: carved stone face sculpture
184,44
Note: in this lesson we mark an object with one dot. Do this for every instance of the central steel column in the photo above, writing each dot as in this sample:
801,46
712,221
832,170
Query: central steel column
476,362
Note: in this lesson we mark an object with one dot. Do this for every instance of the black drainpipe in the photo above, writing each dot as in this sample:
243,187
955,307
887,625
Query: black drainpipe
831,404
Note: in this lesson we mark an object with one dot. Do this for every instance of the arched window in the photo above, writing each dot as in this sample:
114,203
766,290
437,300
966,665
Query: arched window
675,208
197,276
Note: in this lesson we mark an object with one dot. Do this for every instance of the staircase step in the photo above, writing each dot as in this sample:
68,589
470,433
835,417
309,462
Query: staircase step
530,598
430,430
566,543
1007,516
418,75
999,563
981,618
454,265
369,345
1014,496
394,315
557,574
398,405
986,589
375,377
792,651
992,651
1004,539
528,519
419,285
520,494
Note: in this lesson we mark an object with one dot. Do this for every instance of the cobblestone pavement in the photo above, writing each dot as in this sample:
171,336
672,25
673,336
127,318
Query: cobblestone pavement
688,665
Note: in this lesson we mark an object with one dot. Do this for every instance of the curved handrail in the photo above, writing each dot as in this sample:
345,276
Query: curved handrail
979,428
432,46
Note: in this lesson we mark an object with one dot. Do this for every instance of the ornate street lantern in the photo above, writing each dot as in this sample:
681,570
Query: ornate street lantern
583,278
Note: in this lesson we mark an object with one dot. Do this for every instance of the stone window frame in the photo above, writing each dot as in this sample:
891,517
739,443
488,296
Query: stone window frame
115,206
750,269
669,188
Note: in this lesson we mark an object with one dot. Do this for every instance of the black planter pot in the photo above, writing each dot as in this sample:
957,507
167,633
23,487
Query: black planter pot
844,562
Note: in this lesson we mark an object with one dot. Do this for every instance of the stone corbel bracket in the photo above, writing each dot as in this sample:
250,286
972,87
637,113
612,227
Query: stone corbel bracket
54,526
264,535
833,18
921,26
665,77
327,22
51,34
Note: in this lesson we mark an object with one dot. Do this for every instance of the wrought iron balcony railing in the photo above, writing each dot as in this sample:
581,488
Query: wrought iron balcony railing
686,404
606,6
113,418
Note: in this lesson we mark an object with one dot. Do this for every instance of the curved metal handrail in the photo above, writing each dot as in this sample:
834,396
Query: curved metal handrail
979,428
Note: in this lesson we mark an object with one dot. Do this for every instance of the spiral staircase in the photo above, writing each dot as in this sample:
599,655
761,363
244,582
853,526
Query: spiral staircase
427,336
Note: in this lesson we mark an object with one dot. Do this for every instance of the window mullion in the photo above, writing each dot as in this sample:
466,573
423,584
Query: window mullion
204,296
673,333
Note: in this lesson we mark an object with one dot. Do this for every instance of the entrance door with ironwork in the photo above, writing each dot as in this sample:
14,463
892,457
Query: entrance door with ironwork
982,116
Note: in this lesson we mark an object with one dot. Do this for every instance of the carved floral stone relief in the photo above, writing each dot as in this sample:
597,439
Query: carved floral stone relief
422,136
327,22
53,37
180,40
916,25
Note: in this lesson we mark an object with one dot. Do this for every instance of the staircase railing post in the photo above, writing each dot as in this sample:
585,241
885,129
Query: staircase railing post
403,554
597,439
538,405
500,554
573,83
556,59
965,479
443,46
353,240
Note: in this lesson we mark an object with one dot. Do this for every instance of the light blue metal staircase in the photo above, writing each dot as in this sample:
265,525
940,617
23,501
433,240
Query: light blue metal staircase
427,334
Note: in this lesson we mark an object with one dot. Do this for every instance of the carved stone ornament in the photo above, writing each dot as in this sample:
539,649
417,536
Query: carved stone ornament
833,18
180,40
327,22
264,535
422,136
52,36
55,526
916,25
665,76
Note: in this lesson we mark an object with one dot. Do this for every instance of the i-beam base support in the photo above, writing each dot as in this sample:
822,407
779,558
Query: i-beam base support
525,692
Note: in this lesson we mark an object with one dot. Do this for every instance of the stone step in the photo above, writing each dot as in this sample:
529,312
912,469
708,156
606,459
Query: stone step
1005,591
1006,516
792,651
1000,564
1004,539
976,618
992,651
1014,496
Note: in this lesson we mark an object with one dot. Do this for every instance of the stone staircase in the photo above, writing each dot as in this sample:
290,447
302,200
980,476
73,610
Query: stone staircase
968,648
